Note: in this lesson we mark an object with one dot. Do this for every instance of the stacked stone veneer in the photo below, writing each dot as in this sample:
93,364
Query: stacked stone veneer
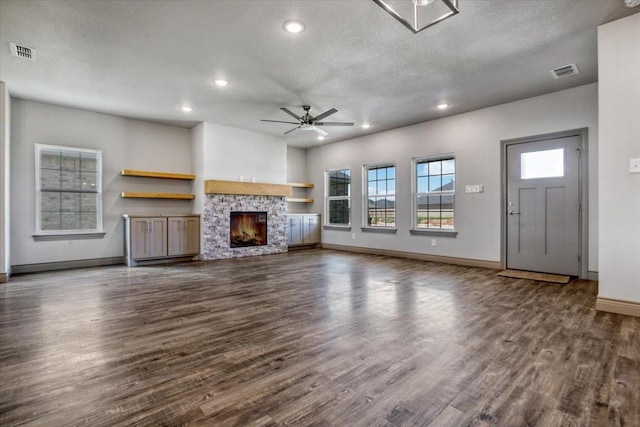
216,225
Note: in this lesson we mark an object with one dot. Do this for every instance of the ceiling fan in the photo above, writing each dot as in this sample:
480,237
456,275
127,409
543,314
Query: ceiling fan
308,122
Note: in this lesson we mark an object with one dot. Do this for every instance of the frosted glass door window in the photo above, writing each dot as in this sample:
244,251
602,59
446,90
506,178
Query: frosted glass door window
542,164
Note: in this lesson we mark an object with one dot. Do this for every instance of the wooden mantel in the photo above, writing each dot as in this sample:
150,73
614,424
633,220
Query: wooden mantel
212,186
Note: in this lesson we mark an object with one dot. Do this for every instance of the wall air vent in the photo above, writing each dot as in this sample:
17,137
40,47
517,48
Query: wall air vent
566,71
23,52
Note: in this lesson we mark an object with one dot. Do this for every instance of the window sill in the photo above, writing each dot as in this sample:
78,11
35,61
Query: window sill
71,236
384,230
433,232
337,227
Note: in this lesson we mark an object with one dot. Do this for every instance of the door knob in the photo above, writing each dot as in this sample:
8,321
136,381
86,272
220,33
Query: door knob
514,213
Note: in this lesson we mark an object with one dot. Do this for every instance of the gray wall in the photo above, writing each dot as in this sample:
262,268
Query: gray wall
5,153
297,172
619,74
475,138
125,144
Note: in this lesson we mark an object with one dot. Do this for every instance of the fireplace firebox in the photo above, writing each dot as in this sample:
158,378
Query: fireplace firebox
248,229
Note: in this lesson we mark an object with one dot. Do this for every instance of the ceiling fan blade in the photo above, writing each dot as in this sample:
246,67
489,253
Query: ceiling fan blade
325,114
320,131
333,124
289,131
278,121
291,113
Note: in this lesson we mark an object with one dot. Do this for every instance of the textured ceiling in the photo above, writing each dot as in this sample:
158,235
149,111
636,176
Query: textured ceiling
144,59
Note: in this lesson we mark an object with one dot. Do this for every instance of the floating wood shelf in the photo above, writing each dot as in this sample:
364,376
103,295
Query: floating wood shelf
246,188
299,200
165,175
301,184
136,195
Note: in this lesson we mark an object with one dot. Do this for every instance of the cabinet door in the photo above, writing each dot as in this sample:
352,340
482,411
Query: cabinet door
175,236
139,231
158,237
191,235
311,232
294,236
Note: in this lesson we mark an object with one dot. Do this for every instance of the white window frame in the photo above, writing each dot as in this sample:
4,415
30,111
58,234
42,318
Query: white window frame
414,195
328,198
365,192
99,225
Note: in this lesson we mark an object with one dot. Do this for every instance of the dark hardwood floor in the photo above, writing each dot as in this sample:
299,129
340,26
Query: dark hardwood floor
312,338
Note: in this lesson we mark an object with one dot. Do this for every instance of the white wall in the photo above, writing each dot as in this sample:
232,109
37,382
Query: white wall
619,75
226,153
231,152
125,144
5,205
475,138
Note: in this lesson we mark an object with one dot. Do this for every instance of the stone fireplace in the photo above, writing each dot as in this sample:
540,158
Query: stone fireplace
247,229
229,205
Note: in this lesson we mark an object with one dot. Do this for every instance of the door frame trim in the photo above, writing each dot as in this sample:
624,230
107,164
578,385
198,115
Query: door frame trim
583,182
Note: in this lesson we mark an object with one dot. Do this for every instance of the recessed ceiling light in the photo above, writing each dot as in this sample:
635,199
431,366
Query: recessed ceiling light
186,108
366,125
293,26
221,82
320,138
442,106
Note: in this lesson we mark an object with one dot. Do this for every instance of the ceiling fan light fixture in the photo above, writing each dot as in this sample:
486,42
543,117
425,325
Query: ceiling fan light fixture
293,27
415,16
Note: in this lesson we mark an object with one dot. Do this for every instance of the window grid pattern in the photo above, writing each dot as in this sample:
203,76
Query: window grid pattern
435,193
339,197
69,190
381,201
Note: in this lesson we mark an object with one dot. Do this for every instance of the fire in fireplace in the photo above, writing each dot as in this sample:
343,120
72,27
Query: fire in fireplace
248,229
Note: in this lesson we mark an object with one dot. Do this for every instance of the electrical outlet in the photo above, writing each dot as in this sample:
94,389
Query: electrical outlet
433,242
634,166
353,236
478,188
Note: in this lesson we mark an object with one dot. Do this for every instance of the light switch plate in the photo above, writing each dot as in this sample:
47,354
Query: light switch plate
478,188
634,166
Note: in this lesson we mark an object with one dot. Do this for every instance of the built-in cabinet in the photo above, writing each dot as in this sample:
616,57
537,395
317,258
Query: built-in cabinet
184,235
303,229
153,239
148,238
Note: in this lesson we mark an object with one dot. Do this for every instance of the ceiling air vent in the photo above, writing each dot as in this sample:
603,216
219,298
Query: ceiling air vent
566,71
23,52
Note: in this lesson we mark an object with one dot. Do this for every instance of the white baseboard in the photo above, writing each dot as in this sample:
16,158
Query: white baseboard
496,265
629,308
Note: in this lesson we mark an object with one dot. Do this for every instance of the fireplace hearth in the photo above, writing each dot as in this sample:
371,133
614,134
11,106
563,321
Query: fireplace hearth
247,229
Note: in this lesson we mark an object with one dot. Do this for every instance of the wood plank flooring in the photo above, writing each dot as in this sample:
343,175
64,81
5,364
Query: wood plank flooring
313,337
